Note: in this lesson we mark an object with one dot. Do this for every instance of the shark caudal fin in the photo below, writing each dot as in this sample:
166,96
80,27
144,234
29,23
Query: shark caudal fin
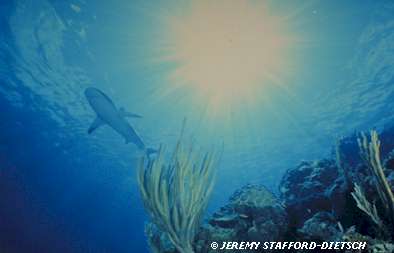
150,151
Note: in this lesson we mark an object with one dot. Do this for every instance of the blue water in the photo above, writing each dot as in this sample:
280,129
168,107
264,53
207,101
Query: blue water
62,190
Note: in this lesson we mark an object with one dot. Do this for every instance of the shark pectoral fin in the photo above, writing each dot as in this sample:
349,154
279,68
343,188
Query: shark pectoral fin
96,123
123,113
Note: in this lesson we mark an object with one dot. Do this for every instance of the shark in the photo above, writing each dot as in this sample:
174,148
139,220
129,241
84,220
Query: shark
108,114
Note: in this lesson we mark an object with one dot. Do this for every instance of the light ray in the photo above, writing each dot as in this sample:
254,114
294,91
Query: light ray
225,51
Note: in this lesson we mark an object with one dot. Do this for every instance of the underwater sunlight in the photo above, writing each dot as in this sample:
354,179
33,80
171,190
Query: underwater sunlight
226,52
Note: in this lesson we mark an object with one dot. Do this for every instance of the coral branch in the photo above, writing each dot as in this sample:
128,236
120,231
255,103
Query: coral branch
176,194
366,206
370,152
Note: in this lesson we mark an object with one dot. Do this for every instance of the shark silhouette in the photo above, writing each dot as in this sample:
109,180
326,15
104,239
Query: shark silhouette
108,114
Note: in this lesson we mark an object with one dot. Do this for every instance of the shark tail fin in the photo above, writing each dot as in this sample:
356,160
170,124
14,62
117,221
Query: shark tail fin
150,151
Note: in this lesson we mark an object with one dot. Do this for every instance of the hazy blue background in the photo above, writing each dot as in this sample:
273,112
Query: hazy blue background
64,191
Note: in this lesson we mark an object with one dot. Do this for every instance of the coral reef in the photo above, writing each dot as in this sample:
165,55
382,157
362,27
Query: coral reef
309,188
374,245
176,194
347,197
252,214
323,226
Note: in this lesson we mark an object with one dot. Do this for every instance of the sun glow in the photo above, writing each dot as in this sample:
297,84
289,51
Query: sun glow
227,51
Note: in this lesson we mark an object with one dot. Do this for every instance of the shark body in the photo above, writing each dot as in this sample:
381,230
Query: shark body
108,114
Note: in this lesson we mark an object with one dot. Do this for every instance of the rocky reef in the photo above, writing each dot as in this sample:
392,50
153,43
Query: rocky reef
332,199
252,214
